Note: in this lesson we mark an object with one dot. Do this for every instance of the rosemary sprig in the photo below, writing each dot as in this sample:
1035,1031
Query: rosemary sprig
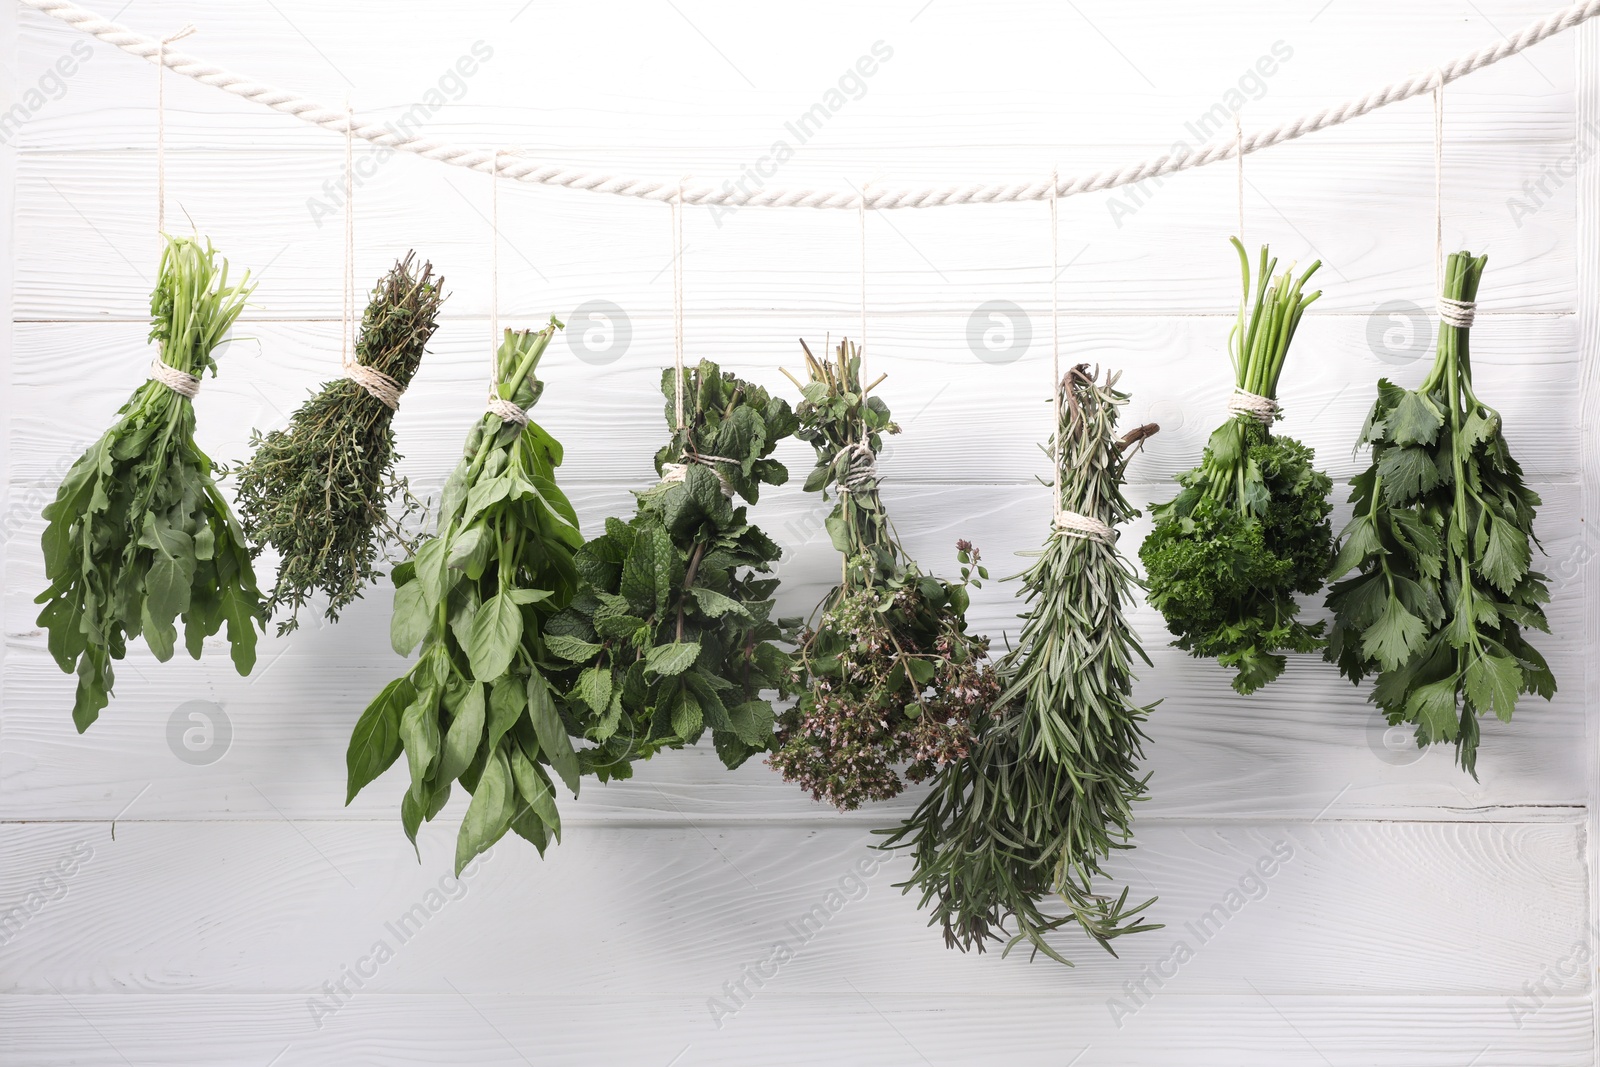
1048,789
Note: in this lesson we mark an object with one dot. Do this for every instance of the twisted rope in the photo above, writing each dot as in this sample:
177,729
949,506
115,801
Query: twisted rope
679,472
861,468
316,114
1072,524
508,411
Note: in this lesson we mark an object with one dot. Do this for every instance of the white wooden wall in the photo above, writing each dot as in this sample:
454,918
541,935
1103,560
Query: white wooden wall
1419,917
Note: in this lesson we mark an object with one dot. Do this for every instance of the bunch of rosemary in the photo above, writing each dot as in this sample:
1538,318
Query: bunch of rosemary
138,534
672,623
1441,543
1048,788
319,491
888,674
481,704
1249,529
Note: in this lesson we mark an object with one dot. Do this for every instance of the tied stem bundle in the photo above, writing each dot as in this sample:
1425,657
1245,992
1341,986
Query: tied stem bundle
1047,790
672,624
319,491
480,704
1249,528
138,534
888,675
1441,546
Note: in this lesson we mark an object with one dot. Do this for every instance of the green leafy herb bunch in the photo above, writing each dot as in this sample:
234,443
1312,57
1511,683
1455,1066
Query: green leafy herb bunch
138,535
1441,549
1047,790
888,675
481,706
319,491
1249,527
671,630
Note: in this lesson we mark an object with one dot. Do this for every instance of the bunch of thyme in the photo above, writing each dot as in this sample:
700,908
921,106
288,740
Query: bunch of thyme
888,675
319,491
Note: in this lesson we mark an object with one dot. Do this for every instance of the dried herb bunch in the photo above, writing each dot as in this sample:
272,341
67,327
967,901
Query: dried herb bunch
672,623
1249,528
888,674
138,535
319,491
481,704
1048,789
1442,544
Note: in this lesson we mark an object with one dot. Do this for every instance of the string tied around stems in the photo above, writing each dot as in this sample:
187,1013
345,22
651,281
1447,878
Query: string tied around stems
673,473
1263,409
861,468
180,382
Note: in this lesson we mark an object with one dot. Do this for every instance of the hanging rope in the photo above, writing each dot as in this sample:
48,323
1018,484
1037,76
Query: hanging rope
1066,523
380,386
1238,141
161,126
677,306
861,219
1458,313
496,404
316,114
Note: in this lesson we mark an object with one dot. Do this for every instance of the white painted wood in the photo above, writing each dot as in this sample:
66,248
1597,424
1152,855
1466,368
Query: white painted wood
1424,919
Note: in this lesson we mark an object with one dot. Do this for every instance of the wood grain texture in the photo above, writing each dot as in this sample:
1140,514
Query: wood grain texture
1422,917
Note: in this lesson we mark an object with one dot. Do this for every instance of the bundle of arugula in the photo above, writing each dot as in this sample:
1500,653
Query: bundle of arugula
481,704
138,533
1441,545
319,490
672,626
1249,529
1048,788
889,674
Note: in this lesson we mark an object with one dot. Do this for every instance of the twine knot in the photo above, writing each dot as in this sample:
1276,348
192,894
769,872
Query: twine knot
1263,409
378,385
180,382
1074,524
506,410
673,473
1457,313
861,467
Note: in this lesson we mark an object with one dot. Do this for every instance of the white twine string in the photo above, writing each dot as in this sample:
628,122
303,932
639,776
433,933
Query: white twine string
1263,409
677,305
1238,141
178,381
1073,524
861,219
861,468
1452,312
496,404
389,136
378,385
672,473
161,126
510,412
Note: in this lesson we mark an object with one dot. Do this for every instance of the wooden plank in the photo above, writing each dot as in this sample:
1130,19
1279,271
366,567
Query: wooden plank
492,1029
284,907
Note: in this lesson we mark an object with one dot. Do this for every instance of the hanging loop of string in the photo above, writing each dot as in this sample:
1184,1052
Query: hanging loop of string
677,309
378,385
861,219
496,404
1066,523
161,125
1238,147
1457,313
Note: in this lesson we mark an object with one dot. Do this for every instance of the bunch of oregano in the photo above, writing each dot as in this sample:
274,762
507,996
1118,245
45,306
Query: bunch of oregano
1249,528
319,491
888,675
672,623
1048,788
481,704
1441,543
138,534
